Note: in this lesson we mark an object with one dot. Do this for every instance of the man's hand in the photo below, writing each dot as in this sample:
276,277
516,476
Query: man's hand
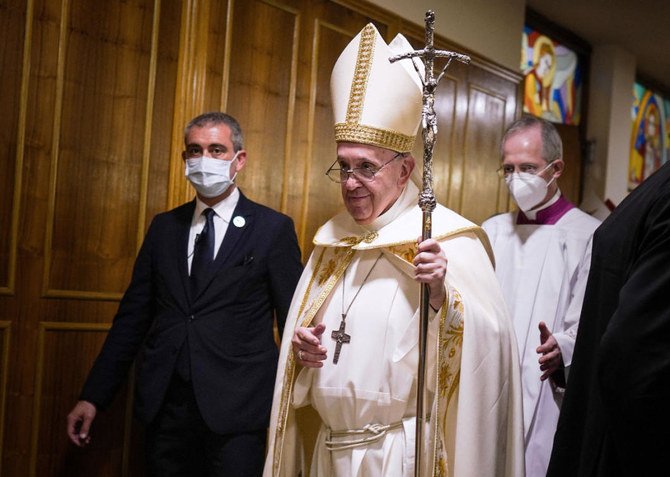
431,268
307,347
551,359
79,423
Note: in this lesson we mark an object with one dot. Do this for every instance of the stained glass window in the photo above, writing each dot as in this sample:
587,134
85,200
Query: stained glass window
553,78
650,143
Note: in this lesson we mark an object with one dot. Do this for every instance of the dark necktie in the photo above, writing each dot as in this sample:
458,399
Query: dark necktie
203,253
203,257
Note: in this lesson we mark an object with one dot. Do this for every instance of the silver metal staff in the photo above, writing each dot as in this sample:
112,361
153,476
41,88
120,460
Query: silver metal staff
426,197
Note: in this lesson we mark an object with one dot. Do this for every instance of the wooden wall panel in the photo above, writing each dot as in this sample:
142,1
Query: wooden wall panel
484,127
98,162
40,107
12,24
57,388
5,331
97,138
261,93
218,54
571,179
498,105
162,110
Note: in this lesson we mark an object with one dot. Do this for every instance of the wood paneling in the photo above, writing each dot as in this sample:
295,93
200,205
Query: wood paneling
483,131
98,147
13,65
5,331
95,96
261,93
56,388
571,179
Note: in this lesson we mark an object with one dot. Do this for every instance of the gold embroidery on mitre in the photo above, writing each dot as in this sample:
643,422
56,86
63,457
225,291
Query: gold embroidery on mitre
366,49
351,130
386,138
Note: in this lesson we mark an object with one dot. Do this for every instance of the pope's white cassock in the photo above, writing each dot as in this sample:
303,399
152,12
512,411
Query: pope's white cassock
543,271
475,426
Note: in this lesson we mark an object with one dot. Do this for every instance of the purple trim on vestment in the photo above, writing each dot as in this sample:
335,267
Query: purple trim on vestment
548,216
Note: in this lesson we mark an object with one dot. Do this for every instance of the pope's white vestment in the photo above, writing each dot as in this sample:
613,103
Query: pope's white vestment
474,395
543,271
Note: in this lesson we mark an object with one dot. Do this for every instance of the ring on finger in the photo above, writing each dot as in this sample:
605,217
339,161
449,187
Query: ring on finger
300,354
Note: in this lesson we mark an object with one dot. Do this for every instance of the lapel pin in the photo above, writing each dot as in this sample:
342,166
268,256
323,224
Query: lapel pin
239,221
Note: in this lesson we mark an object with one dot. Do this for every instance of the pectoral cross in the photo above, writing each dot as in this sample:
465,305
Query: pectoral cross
341,338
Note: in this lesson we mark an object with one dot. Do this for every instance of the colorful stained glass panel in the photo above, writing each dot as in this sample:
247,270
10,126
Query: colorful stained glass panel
553,78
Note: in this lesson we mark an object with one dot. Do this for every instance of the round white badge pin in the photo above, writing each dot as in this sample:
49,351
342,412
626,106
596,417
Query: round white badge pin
239,221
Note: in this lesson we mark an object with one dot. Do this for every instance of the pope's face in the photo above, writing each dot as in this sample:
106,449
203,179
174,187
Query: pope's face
367,200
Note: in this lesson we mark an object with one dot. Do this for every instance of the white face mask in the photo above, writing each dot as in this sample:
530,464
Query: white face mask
210,177
527,189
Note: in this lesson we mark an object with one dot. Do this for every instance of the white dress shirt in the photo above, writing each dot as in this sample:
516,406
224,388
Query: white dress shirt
223,212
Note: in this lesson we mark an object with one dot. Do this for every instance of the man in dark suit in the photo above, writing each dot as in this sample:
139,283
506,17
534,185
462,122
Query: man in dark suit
209,279
615,419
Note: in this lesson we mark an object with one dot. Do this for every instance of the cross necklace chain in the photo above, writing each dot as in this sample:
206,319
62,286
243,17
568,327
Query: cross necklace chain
339,335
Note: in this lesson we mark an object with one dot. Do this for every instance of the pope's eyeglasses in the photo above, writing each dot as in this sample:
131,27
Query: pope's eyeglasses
365,174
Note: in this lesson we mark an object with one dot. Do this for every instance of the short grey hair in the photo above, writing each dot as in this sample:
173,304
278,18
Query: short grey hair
552,146
216,118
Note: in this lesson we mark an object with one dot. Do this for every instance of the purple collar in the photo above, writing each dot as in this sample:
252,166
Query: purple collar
548,216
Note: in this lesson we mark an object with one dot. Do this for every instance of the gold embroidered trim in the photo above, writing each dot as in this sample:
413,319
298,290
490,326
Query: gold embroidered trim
349,241
450,345
283,413
406,252
386,138
359,84
310,312
311,282
367,237
475,229
288,378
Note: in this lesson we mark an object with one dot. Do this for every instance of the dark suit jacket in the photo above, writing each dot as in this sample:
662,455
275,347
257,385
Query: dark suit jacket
229,325
615,418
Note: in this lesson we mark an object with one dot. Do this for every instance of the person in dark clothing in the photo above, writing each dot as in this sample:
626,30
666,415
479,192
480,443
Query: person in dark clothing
615,419
209,280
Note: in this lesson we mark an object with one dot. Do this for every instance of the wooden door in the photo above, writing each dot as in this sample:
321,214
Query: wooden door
570,181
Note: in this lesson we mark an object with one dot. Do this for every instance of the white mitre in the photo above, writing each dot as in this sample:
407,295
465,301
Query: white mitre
376,102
